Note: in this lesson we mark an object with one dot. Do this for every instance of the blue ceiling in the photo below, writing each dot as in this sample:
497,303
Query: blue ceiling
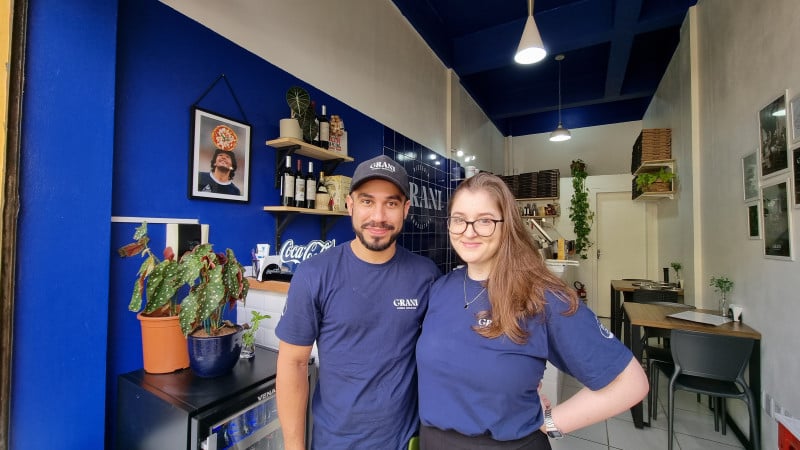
616,52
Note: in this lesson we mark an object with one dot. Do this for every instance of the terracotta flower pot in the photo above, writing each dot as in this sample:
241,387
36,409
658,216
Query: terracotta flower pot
163,344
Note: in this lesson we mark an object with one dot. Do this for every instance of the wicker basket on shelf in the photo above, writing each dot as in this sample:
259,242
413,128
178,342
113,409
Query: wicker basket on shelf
659,186
656,144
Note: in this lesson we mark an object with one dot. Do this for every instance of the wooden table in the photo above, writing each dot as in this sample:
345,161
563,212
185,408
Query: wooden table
638,315
620,288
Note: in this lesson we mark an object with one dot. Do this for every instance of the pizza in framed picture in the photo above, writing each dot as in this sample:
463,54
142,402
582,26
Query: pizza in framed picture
220,157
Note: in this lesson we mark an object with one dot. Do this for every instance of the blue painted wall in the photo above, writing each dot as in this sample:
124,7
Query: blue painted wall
108,98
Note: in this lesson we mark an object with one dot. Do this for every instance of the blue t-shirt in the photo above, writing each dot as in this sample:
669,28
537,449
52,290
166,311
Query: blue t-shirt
366,320
478,386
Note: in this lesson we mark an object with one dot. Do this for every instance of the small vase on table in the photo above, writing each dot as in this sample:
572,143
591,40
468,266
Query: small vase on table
723,303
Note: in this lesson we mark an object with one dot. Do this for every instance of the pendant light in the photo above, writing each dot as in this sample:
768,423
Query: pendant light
531,49
560,133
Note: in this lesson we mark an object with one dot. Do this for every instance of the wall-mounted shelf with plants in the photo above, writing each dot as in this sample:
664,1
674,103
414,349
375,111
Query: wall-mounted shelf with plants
654,180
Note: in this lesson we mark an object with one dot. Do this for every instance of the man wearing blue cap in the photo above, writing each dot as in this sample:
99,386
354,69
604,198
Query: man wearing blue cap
362,303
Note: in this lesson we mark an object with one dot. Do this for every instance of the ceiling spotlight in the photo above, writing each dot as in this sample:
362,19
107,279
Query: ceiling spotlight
459,153
560,133
531,49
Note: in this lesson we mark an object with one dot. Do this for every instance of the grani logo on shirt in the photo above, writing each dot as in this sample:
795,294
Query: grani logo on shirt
603,330
405,303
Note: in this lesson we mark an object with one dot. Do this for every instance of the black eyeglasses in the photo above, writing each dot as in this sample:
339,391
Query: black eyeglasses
483,227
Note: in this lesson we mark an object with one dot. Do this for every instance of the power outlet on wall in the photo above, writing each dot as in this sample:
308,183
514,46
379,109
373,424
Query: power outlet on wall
183,237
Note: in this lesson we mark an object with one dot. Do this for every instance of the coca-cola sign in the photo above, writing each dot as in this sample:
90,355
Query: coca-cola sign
292,254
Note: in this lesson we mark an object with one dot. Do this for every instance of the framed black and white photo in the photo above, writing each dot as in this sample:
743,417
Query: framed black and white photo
796,173
773,137
750,176
753,222
776,219
220,157
794,121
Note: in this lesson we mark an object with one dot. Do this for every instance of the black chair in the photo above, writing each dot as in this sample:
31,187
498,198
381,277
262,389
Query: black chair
656,356
714,365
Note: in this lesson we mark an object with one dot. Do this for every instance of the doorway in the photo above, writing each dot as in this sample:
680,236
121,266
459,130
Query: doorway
621,244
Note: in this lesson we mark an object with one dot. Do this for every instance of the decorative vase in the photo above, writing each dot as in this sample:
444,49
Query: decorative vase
163,344
723,304
213,356
290,128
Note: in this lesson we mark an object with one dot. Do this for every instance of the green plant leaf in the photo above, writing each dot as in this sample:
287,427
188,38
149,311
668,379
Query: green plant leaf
298,100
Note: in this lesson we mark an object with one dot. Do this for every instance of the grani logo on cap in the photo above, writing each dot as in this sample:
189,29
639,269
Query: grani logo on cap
382,165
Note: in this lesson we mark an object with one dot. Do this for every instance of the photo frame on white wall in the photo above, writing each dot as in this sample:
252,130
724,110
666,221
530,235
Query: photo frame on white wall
750,176
794,121
796,175
776,219
773,137
753,221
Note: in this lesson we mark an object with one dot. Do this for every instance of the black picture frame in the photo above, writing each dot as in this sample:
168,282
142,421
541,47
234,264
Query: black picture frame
753,222
796,175
213,137
776,220
773,139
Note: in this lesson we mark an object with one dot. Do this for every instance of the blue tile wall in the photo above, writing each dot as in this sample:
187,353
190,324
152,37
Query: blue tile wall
432,184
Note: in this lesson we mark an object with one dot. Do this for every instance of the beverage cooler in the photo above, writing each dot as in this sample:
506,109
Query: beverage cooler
182,411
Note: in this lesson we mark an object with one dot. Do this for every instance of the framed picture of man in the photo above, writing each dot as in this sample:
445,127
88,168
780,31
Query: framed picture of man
220,157
776,220
773,137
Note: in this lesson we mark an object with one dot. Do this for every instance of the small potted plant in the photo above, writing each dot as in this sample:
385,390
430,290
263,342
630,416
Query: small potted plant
217,281
249,335
723,285
157,282
302,109
676,266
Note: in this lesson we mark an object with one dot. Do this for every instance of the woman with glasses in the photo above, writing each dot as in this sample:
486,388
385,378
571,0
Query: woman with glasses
492,325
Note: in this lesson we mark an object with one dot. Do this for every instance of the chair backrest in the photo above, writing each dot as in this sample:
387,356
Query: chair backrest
654,295
710,355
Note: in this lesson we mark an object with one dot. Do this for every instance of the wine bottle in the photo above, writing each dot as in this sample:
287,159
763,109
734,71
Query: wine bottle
324,129
322,198
315,137
311,187
299,186
287,183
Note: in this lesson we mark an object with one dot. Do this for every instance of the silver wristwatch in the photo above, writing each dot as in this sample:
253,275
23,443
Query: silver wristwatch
552,431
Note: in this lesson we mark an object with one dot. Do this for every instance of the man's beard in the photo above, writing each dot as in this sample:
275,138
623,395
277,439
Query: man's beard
376,245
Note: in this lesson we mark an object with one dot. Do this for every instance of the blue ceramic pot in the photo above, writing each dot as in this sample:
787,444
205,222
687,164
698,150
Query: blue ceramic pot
213,356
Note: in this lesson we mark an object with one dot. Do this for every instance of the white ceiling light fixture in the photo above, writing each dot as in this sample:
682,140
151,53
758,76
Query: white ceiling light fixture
531,49
560,133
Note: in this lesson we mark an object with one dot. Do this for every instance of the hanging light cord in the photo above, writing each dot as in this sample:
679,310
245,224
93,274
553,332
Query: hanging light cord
559,58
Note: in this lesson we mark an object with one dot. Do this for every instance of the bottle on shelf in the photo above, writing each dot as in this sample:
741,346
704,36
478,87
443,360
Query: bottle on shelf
299,186
311,186
322,198
287,183
324,129
315,137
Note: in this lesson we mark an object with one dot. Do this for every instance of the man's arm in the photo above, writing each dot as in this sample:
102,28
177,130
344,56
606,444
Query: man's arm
291,390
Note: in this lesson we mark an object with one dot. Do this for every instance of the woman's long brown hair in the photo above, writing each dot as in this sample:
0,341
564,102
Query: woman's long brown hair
519,277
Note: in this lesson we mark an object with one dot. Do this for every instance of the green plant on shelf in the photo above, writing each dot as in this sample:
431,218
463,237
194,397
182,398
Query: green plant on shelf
645,180
579,212
303,110
249,335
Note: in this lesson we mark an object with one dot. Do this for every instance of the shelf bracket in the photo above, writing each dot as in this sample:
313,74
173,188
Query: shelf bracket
327,223
281,221
280,161
330,165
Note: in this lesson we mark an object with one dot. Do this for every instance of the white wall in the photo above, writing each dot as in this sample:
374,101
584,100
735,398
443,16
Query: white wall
606,150
363,52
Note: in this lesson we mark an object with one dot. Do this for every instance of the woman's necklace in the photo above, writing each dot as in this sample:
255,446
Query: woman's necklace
467,303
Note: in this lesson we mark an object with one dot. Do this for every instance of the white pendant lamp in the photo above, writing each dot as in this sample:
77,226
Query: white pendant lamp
560,133
531,49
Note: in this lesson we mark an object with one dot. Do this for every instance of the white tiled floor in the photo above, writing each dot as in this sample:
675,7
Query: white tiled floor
694,427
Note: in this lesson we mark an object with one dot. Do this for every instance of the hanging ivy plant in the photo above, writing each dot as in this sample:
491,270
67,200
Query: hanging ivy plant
579,211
